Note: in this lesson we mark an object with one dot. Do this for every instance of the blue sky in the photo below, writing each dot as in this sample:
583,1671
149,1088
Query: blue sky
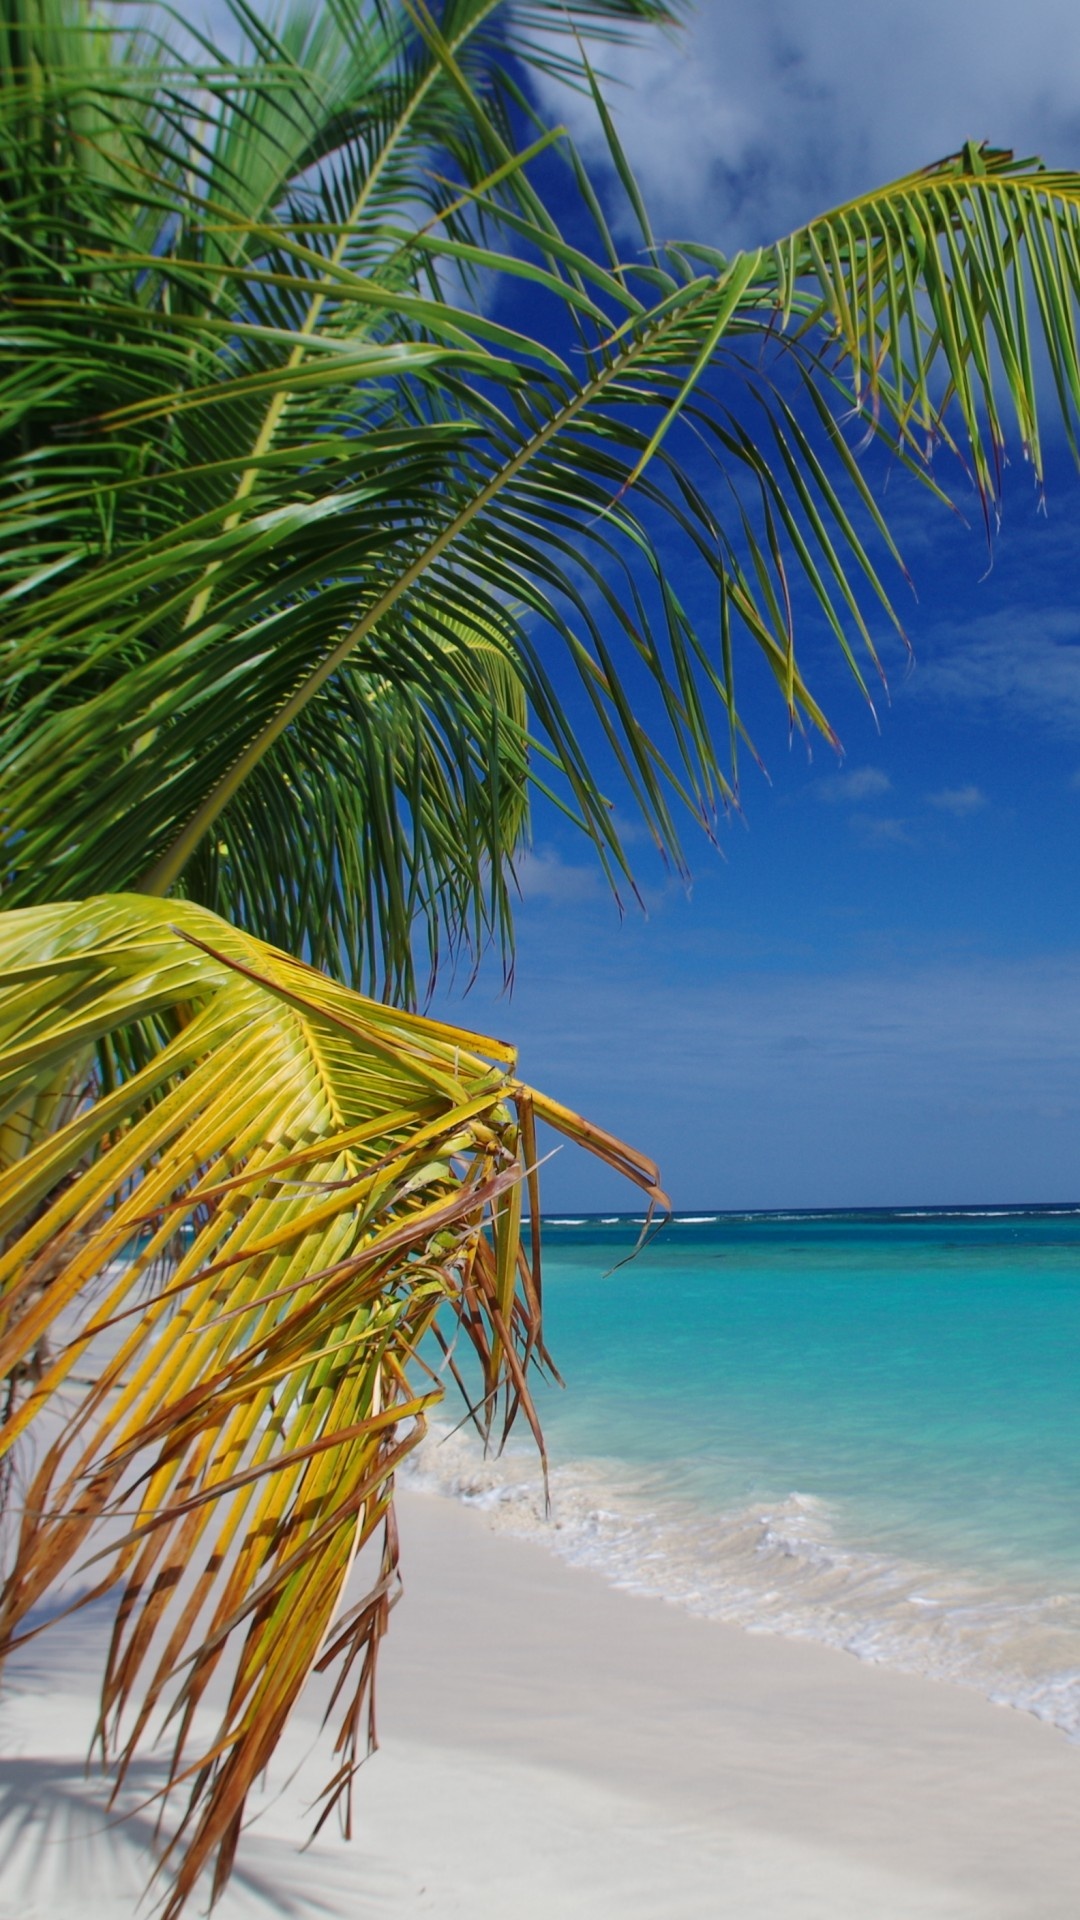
873,998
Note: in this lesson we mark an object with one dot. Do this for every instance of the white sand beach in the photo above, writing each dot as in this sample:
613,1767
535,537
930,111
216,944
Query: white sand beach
552,1747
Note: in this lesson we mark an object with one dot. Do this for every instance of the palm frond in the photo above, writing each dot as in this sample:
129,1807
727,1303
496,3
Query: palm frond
271,427
942,287
257,1195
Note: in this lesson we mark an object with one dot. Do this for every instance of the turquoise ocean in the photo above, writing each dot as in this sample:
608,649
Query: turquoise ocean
861,1428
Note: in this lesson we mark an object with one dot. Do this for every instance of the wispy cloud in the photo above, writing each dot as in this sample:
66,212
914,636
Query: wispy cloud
852,789
960,801
876,829
949,1082
1018,664
543,875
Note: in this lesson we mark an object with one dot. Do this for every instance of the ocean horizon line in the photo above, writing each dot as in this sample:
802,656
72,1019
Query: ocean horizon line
589,1216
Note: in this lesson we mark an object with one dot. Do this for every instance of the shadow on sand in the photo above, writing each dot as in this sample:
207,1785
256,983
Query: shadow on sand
64,1855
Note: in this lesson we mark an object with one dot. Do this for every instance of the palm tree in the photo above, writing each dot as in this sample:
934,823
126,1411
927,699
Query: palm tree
344,448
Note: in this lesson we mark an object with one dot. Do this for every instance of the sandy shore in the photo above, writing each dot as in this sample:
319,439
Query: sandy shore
555,1750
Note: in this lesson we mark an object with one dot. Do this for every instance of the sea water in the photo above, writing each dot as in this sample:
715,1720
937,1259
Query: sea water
861,1428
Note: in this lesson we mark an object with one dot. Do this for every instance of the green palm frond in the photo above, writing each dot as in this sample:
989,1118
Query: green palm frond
257,1193
289,465
455,752
281,379
943,288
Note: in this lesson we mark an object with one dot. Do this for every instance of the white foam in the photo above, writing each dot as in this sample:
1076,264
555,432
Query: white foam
778,1566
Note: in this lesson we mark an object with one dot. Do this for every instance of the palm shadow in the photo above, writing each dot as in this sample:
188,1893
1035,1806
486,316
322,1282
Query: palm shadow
59,1838
54,1828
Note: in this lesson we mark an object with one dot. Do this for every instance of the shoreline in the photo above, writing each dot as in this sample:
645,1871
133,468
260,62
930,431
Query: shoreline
775,1565
552,1746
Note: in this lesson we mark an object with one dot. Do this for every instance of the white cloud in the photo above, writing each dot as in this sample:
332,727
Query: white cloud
849,789
961,801
752,118
544,875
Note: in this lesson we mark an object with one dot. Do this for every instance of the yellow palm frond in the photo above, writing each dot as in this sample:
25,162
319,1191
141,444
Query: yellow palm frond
235,1197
